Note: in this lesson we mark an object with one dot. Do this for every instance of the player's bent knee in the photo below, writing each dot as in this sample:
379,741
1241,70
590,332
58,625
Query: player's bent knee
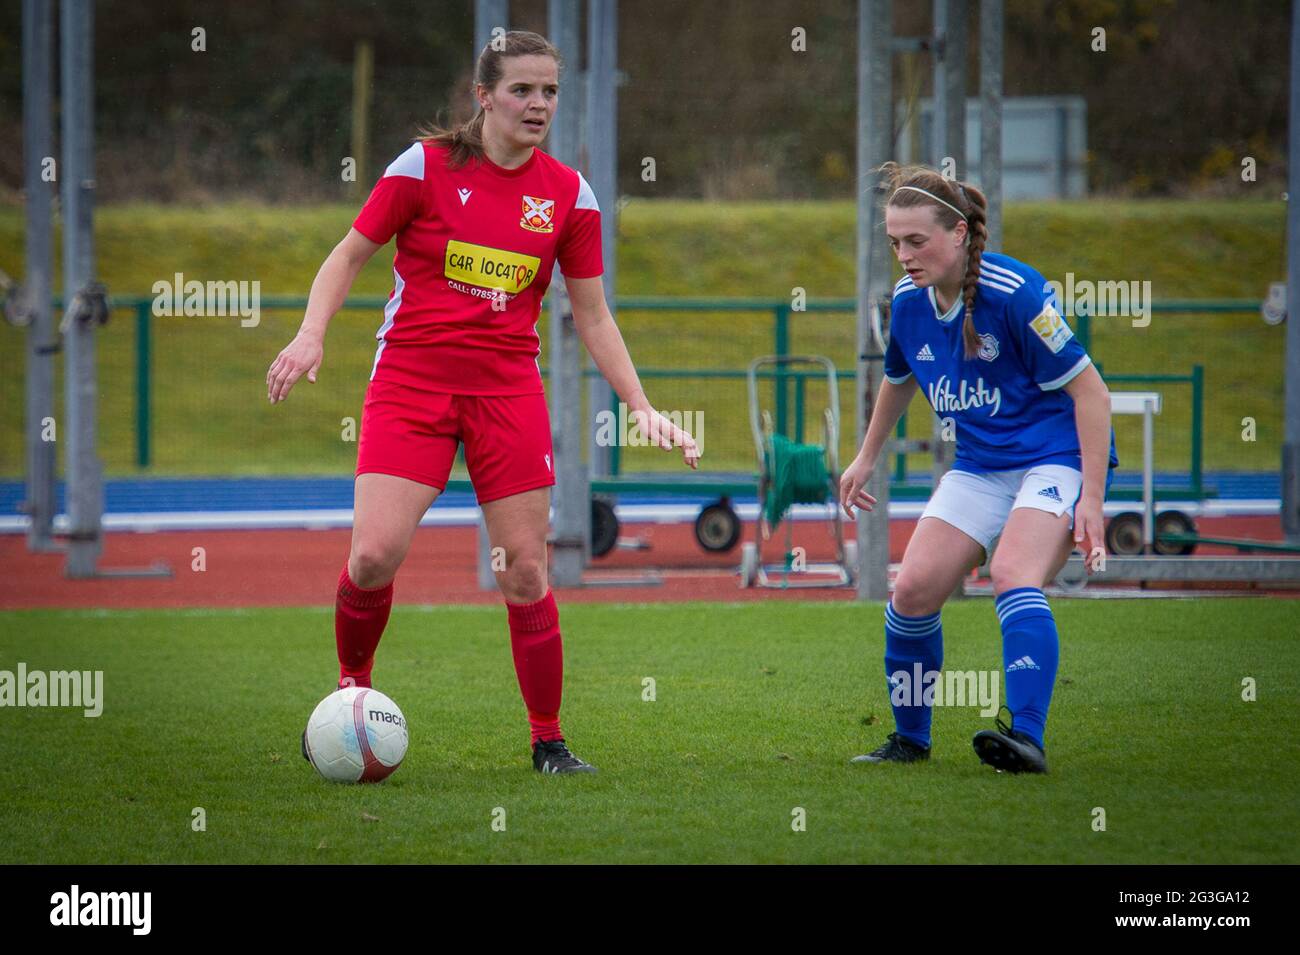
915,599
524,580
1006,577
371,567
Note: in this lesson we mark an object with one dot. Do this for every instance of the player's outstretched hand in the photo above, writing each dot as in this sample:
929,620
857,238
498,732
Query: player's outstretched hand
301,356
1090,532
667,435
852,484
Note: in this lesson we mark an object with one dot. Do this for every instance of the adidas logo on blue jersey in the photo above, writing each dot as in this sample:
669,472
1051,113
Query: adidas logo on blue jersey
1024,663
925,354
1051,493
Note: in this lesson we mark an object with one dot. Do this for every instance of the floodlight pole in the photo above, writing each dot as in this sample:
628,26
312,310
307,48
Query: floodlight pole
488,16
83,469
875,146
601,139
38,60
1291,395
949,143
571,538
991,23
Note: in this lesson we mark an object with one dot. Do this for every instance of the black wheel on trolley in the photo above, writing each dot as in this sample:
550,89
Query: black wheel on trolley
1174,522
717,528
604,527
1124,534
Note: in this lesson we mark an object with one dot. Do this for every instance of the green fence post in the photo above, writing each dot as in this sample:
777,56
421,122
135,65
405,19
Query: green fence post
799,383
143,374
616,447
900,459
782,345
1083,328
1198,394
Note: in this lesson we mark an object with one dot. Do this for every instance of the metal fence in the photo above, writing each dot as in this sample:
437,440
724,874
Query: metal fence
717,338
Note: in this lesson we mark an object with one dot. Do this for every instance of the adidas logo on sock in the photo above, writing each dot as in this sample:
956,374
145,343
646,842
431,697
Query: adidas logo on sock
1051,493
1024,663
925,354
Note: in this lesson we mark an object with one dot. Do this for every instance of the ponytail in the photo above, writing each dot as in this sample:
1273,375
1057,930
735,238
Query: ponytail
977,238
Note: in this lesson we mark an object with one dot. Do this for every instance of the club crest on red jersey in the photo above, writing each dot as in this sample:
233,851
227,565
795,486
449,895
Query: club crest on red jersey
537,215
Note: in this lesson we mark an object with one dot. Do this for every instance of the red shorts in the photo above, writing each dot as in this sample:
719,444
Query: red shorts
414,434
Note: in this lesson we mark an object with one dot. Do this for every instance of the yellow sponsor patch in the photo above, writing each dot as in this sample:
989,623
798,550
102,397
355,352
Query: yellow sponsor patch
1051,328
490,268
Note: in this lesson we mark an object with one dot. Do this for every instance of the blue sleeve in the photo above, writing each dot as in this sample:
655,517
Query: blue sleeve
897,370
1052,355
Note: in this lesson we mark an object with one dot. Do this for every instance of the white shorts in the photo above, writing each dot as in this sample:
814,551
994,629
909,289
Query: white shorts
978,505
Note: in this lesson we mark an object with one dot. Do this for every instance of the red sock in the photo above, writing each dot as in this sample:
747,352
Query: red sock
359,620
539,663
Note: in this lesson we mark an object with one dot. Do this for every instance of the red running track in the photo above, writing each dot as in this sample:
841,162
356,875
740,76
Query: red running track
273,568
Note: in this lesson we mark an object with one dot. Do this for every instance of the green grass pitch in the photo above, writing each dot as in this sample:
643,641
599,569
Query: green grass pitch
757,709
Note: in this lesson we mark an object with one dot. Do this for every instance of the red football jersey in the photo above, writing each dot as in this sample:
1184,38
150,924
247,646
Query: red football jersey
475,251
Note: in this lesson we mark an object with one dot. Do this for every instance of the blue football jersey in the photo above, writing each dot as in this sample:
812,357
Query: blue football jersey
1008,402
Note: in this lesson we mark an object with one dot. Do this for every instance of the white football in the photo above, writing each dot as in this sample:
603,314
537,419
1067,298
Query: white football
355,735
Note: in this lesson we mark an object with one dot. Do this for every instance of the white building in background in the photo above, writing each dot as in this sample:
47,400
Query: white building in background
1044,144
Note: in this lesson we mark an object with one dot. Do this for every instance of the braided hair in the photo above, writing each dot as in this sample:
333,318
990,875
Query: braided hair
974,212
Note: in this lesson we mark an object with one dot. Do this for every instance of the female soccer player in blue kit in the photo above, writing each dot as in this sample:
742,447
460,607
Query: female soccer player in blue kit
980,332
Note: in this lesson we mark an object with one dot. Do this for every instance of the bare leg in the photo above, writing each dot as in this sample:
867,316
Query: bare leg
386,512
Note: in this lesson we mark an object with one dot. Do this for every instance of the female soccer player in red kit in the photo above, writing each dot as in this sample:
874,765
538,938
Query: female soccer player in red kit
481,217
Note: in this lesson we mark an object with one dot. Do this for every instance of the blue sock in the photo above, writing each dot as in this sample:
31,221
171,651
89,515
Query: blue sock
909,642
1030,651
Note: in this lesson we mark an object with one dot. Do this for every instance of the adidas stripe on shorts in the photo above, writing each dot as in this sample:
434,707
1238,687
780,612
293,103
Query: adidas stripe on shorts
978,505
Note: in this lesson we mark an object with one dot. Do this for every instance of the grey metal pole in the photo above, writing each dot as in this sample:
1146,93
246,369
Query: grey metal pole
1291,433
991,26
875,146
38,67
949,144
489,15
83,469
602,154
571,537
950,84
1148,478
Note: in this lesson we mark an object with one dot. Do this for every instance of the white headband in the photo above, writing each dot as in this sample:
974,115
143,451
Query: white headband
934,197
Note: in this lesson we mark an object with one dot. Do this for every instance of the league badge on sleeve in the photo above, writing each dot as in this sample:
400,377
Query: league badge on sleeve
1051,328
537,214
